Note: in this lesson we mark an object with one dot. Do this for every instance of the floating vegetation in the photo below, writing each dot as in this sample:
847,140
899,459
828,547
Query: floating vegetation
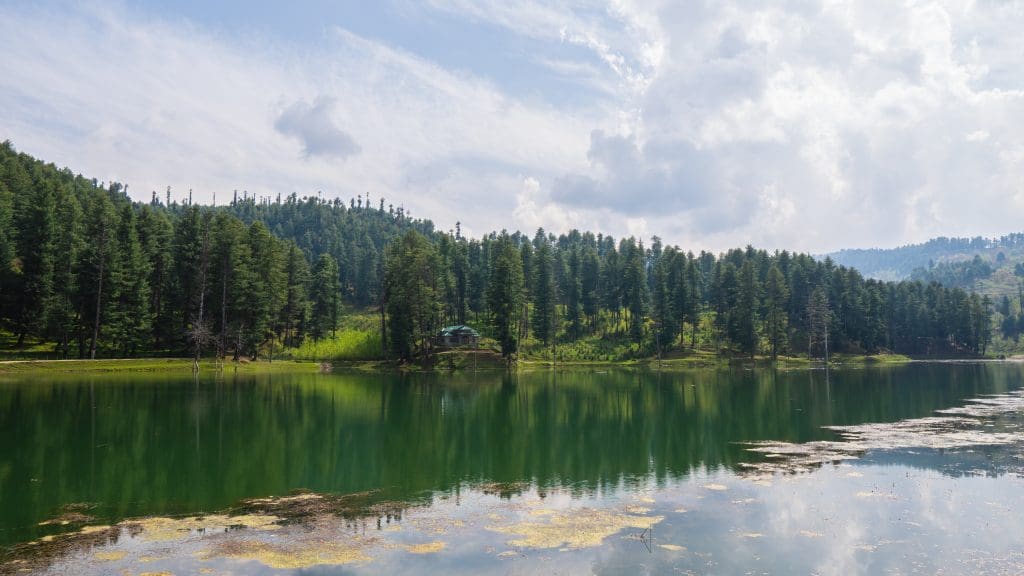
110,556
302,554
71,514
428,548
954,428
162,529
504,489
573,529
509,554
672,547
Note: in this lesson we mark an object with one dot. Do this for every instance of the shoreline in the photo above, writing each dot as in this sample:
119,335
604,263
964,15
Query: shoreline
460,362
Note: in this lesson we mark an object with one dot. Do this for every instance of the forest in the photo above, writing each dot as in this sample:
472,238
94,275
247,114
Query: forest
95,274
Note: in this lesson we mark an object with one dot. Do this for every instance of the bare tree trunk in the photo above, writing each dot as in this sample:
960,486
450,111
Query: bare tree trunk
200,333
99,307
223,310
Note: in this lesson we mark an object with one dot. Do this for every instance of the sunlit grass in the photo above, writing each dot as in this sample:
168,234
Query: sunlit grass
345,345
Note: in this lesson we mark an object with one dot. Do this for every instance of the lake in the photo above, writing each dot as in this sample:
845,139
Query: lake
901,469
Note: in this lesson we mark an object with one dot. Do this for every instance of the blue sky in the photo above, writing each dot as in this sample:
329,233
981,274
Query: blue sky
800,124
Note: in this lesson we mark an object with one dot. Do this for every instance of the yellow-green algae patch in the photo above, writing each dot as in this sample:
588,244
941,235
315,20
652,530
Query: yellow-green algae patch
304,554
162,529
573,529
672,547
110,556
428,548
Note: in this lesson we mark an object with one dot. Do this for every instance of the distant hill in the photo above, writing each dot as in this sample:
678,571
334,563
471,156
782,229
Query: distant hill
901,263
992,267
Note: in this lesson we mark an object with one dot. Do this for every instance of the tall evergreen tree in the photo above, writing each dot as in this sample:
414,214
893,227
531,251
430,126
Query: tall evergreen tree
155,235
775,319
295,309
265,291
504,295
33,285
130,322
412,301
544,294
634,288
325,294
62,318
100,274
743,317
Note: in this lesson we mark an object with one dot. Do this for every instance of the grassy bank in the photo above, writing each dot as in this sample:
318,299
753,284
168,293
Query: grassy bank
707,359
446,361
30,367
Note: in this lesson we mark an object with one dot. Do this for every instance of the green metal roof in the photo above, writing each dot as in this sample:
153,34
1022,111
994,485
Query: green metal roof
459,329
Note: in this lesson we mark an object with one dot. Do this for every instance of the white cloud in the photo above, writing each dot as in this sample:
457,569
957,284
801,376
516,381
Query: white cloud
855,114
122,97
799,124
312,125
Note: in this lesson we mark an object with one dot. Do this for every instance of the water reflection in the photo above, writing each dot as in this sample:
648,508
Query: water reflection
134,446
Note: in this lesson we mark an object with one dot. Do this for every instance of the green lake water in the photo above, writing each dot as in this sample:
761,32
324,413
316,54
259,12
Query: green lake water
616,472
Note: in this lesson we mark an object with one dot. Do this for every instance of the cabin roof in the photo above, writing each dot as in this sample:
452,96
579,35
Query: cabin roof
459,330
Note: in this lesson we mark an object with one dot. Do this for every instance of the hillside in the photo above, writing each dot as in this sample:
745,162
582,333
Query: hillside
900,263
86,271
990,267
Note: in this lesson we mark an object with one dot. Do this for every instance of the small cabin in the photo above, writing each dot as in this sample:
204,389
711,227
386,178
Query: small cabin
456,336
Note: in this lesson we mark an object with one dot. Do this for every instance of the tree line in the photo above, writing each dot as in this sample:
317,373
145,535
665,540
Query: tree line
87,269
550,290
97,275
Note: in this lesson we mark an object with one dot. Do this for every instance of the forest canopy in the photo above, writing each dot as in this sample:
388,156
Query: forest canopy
95,274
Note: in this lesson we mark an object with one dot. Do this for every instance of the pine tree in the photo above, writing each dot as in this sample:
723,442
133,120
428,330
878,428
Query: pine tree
100,273
33,286
634,289
62,318
693,299
131,320
155,236
230,275
412,302
818,319
663,307
590,285
265,291
574,295
743,317
504,295
6,240
544,294
776,321
295,311
325,293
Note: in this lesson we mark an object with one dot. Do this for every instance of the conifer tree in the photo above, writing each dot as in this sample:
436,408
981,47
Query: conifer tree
325,293
412,302
295,309
544,293
131,322
505,293
776,295
62,320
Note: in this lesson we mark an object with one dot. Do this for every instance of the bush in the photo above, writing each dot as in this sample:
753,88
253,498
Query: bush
346,345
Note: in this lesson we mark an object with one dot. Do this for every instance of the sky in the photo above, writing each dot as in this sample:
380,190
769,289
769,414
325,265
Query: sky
809,125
